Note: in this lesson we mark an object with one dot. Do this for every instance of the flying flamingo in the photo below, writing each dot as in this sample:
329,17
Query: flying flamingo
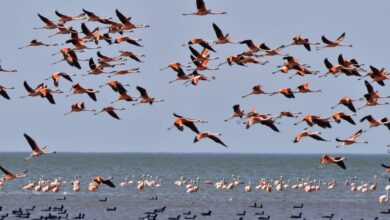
123,72
387,167
97,181
201,10
212,136
375,123
298,40
202,42
303,72
66,18
48,24
273,52
348,102
332,69
145,98
127,25
70,57
127,39
3,91
62,30
32,92
341,115
304,88
123,95
56,77
201,66
351,140
254,48
95,35
106,58
77,89
95,70
236,113
79,107
289,114
41,90
309,119
182,76
377,75
132,55
372,96
36,150
181,121
336,43
306,133
339,161
7,71
351,63
200,57
36,43
114,85
221,38
111,111
196,77
267,121
175,66
11,176
287,92
256,90
93,17
79,44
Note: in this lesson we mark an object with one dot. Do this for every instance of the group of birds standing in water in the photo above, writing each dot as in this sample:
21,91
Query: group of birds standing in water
80,41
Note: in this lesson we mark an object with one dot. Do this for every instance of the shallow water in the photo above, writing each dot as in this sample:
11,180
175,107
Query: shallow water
225,204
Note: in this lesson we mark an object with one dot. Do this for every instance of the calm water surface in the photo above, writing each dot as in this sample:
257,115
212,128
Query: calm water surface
225,204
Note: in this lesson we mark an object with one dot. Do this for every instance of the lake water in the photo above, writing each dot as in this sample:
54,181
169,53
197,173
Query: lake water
225,204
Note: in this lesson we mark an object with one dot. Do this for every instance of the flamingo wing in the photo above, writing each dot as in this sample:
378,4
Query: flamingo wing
6,172
325,40
216,139
385,166
27,87
92,95
44,19
340,162
357,134
121,17
327,63
142,91
191,125
200,5
348,119
67,77
31,142
270,124
369,87
50,98
218,31
120,89
369,118
317,137
194,52
113,114
341,38
108,182
4,94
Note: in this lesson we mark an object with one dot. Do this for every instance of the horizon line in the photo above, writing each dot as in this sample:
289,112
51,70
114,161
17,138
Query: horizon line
215,153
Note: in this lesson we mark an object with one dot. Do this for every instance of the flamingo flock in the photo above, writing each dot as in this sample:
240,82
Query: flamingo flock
93,32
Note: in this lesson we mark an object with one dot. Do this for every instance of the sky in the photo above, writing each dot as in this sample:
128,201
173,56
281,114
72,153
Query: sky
143,128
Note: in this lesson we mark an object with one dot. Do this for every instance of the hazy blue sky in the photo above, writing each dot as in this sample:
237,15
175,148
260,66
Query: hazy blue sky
143,128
